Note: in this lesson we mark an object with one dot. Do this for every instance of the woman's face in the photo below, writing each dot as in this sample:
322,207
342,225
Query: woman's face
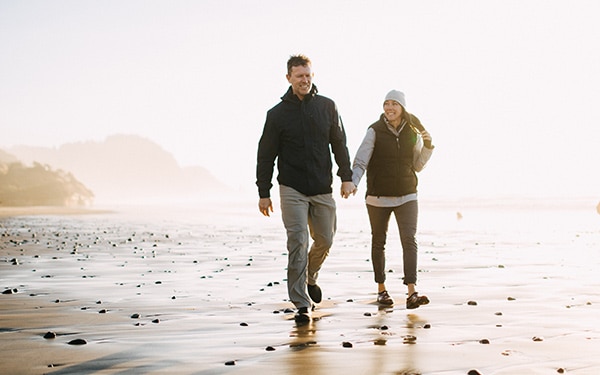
392,111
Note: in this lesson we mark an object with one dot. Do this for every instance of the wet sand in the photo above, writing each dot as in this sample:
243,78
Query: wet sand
202,291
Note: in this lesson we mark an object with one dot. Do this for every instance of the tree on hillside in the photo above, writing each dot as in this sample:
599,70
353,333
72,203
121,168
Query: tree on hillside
39,185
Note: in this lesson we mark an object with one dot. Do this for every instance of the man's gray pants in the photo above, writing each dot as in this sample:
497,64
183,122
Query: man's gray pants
303,215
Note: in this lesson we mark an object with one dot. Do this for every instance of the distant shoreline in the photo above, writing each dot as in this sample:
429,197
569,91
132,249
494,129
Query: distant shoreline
47,210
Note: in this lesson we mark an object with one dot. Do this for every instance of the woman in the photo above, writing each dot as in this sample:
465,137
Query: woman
393,150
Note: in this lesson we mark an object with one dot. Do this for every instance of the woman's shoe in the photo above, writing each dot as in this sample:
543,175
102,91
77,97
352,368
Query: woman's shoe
384,298
415,300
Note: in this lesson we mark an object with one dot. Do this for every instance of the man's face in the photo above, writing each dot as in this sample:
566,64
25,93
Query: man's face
392,110
301,80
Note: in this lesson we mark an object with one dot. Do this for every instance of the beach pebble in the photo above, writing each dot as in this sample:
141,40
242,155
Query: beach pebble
367,314
135,316
103,311
50,335
409,339
560,370
537,339
384,328
269,348
472,303
511,298
244,324
484,341
303,344
10,291
77,342
156,321
427,326
230,363
347,344
473,372
498,313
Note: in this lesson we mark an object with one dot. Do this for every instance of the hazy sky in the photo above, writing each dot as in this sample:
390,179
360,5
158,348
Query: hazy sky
508,89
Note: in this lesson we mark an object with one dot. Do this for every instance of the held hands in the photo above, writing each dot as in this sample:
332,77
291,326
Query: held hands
265,205
348,188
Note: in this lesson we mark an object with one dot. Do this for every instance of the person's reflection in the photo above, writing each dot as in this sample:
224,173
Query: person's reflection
408,352
305,356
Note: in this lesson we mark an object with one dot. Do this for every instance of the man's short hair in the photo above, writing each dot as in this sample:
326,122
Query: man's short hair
297,60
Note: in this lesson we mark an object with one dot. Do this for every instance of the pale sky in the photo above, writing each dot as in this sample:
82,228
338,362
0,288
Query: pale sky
507,89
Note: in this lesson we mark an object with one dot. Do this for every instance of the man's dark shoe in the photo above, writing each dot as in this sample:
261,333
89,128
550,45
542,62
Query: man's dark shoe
314,291
302,316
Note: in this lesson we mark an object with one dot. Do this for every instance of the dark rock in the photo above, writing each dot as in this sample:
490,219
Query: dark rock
10,291
472,303
156,321
427,326
537,339
230,363
103,311
269,348
473,372
77,342
347,344
484,341
244,324
384,328
50,335
410,339
135,316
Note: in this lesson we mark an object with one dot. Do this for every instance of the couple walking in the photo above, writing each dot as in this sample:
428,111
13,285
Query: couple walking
300,133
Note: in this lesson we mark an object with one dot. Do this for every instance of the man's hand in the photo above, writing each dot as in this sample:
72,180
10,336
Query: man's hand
264,205
348,188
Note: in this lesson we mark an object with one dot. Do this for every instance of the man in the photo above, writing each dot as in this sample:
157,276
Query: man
298,132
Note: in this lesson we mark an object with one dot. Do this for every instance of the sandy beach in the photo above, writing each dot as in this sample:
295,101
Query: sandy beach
202,291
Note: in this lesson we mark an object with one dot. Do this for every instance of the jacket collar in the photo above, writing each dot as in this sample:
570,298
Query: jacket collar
290,97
